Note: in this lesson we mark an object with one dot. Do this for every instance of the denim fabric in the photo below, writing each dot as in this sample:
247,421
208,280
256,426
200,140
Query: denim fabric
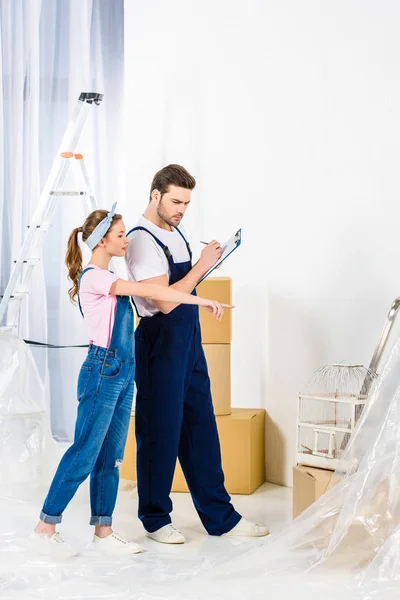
105,394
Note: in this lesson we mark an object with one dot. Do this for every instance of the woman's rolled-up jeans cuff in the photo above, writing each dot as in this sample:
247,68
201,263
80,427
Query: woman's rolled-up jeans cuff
53,520
101,521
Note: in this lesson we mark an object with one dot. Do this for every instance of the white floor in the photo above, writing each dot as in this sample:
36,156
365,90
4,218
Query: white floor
270,504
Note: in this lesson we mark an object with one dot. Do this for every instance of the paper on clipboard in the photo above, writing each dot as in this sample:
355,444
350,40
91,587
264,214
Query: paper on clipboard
227,249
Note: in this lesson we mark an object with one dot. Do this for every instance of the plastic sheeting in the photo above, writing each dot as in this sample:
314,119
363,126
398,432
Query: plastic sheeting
27,449
349,539
153,574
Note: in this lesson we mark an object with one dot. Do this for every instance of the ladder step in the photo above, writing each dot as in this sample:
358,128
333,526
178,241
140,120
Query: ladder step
30,261
42,227
17,295
61,193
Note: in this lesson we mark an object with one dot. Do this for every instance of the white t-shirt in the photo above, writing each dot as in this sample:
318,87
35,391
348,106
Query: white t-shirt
146,259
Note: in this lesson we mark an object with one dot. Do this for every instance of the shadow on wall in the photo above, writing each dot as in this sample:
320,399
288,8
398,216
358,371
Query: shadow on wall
292,351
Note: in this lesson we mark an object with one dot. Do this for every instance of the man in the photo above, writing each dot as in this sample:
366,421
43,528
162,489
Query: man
174,411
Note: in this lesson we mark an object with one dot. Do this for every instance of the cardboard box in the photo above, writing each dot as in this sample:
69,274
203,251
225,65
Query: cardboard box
212,331
309,484
243,452
218,358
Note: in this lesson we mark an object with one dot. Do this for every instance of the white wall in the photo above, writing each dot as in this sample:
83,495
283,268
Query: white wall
288,114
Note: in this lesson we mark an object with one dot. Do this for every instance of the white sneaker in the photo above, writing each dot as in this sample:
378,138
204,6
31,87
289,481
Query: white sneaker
167,535
115,545
247,528
53,546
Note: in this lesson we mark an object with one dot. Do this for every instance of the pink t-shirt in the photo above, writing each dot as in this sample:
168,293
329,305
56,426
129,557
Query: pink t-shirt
98,305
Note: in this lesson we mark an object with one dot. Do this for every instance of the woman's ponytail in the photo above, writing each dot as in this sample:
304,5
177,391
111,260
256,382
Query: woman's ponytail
73,260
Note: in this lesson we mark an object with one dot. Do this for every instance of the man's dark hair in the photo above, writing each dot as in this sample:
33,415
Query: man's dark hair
172,175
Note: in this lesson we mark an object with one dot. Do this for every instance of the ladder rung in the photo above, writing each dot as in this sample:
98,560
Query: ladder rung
60,193
30,261
17,295
43,226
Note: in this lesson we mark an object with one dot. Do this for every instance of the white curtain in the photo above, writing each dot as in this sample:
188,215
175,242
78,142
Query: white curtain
51,51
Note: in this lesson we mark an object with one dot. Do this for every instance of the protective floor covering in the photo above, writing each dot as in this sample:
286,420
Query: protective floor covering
153,574
346,544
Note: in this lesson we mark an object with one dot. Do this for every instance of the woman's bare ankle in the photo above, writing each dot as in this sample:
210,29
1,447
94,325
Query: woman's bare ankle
47,528
103,531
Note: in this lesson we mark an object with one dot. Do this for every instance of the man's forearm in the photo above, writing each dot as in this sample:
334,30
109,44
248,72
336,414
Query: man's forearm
187,284
190,281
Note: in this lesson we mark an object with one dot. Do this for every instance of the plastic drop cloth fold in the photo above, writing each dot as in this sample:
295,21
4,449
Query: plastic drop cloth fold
27,449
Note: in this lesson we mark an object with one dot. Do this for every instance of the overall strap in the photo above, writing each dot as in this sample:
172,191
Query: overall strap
79,284
186,242
164,248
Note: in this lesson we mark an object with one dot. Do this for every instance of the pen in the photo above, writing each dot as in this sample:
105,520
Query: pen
205,243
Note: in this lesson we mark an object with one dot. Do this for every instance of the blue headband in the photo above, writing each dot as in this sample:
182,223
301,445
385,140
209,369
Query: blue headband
100,231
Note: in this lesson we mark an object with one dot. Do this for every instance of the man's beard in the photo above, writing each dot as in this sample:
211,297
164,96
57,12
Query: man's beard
161,213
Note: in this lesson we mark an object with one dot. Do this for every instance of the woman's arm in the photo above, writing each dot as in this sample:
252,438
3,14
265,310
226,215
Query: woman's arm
121,287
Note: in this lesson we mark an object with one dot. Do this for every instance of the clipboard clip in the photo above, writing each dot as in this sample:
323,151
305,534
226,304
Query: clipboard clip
238,237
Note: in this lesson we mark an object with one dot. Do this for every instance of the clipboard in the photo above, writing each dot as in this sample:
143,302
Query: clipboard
227,249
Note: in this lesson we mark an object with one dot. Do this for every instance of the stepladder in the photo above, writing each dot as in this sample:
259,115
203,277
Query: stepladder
68,166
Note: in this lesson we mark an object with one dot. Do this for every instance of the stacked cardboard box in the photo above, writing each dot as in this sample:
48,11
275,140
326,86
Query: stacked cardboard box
241,436
309,484
241,431
217,338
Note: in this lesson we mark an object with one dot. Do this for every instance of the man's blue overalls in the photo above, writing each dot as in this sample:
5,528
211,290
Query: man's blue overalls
175,415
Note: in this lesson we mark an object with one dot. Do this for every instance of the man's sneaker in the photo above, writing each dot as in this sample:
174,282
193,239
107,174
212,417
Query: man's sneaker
246,528
53,546
115,545
167,535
